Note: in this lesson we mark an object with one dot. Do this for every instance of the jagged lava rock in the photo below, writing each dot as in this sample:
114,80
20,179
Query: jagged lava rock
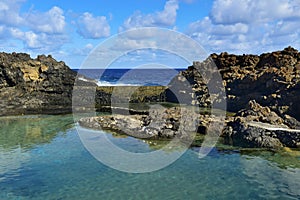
272,79
258,126
34,86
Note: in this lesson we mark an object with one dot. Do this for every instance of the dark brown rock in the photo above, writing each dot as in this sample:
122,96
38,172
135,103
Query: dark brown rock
258,126
45,86
271,79
35,86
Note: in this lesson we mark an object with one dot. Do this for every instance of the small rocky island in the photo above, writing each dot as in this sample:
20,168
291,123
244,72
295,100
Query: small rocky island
261,94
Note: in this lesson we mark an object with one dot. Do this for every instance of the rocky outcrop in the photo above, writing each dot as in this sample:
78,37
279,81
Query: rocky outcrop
262,90
271,79
35,86
253,127
158,123
45,86
258,126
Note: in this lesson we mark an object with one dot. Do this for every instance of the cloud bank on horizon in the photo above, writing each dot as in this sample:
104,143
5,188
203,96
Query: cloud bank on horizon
70,30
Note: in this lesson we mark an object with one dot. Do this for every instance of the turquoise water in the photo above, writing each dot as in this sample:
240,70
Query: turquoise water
42,157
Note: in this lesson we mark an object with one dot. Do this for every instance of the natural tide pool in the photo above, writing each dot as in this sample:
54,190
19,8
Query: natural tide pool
42,157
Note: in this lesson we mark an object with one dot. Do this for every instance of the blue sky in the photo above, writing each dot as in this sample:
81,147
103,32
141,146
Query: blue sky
69,30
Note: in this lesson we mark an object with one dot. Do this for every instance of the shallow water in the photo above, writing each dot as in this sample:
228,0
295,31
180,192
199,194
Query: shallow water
42,157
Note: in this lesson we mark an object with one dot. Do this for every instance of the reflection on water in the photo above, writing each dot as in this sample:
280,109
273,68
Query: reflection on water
25,131
272,179
284,159
41,157
17,134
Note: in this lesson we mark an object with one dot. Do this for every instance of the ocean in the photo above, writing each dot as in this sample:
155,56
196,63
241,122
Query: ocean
139,77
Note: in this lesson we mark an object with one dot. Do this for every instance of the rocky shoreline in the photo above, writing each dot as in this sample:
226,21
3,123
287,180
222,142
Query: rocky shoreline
45,86
157,123
253,127
262,90
258,126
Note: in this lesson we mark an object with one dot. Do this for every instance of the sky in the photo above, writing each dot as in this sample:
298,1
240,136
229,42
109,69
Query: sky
70,30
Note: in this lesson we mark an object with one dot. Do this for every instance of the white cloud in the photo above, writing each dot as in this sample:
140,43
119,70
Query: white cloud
93,27
168,16
52,21
285,28
39,31
249,26
3,7
2,32
253,11
39,41
188,1
164,18
9,12
83,51
208,27
32,40
125,44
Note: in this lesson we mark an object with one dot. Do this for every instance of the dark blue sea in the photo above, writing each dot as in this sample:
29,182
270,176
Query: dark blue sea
147,77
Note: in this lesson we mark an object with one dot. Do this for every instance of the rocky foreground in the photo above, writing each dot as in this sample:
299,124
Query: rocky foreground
262,90
258,126
158,123
254,126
